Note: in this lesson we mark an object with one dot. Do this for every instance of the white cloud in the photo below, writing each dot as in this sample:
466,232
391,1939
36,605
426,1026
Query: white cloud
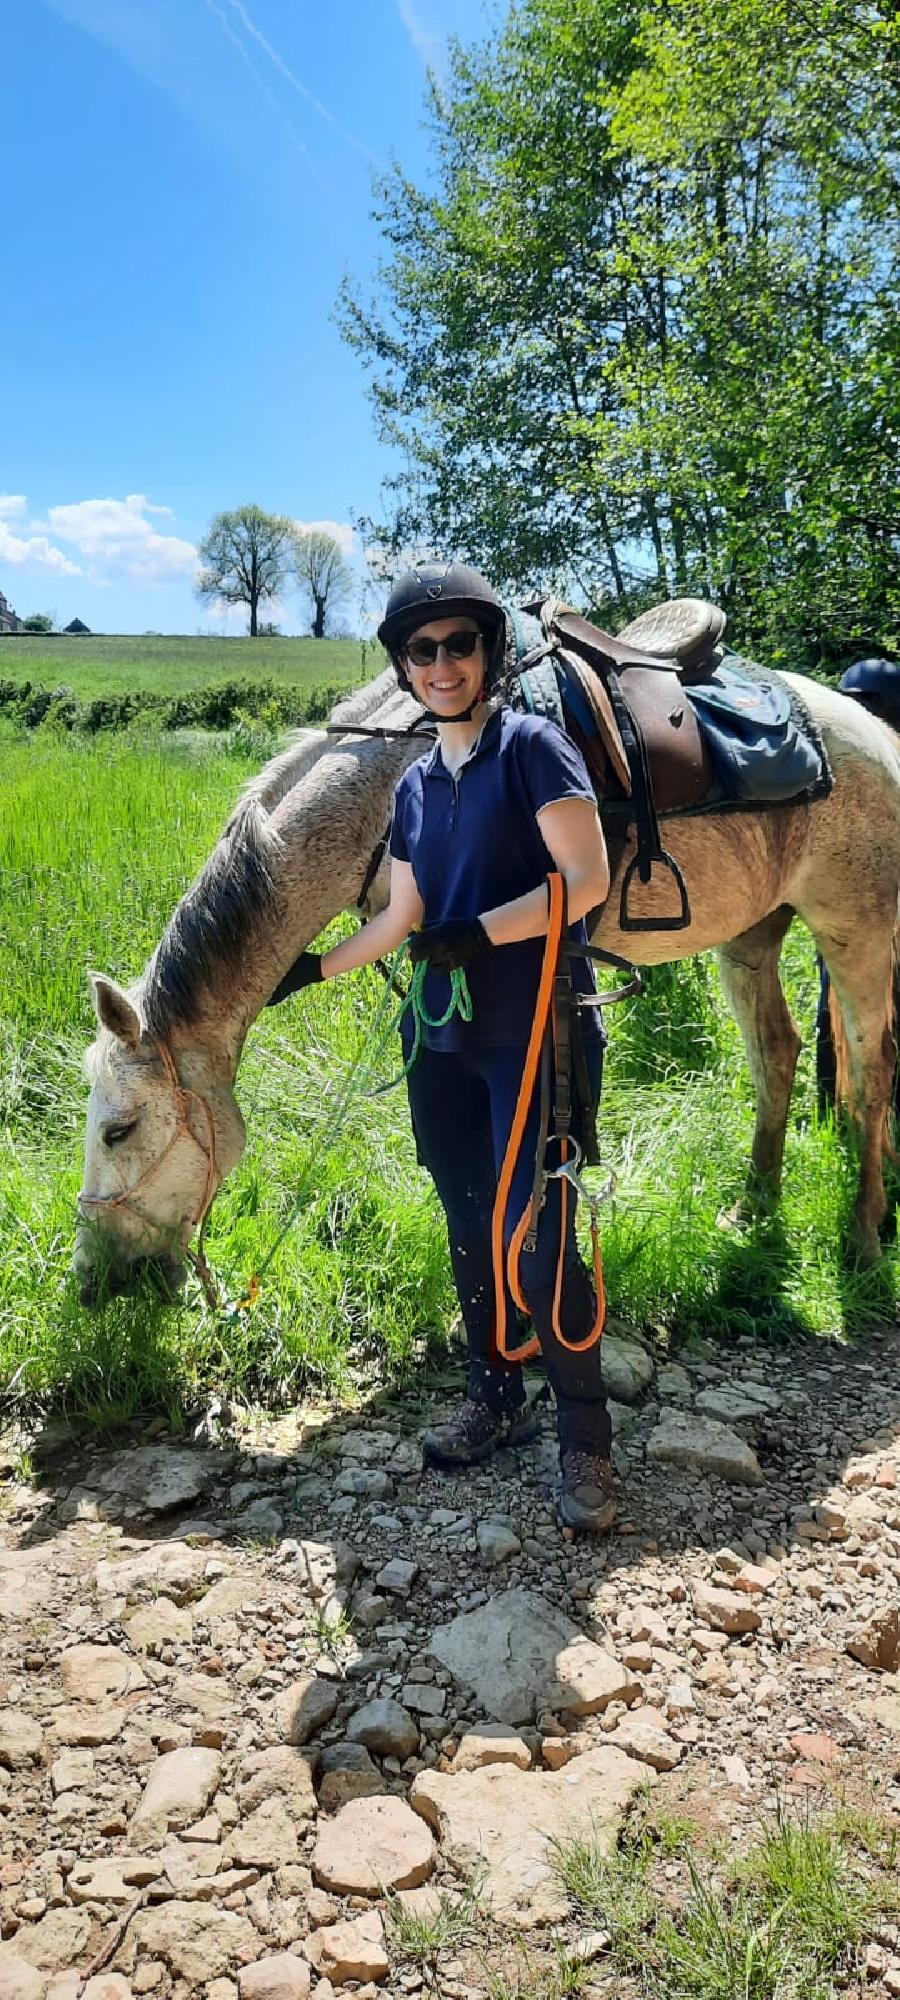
340,532
10,504
34,550
429,42
119,536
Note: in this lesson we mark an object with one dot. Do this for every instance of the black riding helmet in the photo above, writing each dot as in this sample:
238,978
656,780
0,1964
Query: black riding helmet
880,678
441,590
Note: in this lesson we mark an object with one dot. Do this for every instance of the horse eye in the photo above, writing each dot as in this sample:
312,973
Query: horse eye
114,1134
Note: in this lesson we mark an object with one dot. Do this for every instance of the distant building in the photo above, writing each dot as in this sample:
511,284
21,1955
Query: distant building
77,627
8,620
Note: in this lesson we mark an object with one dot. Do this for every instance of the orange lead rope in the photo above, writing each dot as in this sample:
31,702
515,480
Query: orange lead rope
509,1267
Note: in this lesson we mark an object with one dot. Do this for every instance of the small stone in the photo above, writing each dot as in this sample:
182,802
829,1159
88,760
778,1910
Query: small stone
736,1772
155,1479
306,1707
159,1624
266,1839
725,1610
730,1405
107,1986
642,1735
814,1747
198,1941
57,1941
347,1772
491,1743
497,1542
367,1482
397,1577
753,1581
673,1384
21,1739
92,1673
877,1643
281,1977
178,1790
373,1845
354,1949
75,1768
423,1699
282,1771
385,1727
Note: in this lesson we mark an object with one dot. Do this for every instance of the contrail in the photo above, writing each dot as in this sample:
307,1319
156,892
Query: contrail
316,103
269,95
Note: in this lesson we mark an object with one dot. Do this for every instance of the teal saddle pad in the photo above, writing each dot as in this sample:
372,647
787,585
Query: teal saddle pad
764,746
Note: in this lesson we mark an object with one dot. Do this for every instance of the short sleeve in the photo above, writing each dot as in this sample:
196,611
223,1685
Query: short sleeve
398,845
553,767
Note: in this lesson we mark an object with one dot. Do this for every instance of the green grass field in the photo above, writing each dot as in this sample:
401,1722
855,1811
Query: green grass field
98,838
158,664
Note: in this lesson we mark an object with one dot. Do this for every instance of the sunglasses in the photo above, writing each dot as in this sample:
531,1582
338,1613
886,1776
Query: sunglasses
457,646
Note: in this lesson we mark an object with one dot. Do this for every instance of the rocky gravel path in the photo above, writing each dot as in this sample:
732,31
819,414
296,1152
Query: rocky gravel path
261,1694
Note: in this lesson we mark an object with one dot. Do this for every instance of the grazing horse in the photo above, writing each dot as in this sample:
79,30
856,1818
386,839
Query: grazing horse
163,1125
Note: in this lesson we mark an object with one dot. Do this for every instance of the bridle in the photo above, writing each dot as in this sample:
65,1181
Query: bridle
181,1095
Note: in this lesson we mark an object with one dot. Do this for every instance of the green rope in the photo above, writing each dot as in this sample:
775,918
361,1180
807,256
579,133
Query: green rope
383,1029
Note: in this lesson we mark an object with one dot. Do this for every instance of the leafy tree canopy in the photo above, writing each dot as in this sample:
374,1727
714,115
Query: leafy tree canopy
641,336
246,557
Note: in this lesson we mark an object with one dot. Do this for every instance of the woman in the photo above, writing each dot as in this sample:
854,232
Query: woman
501,800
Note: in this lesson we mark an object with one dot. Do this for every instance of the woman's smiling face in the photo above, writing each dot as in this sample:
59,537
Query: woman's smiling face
445,685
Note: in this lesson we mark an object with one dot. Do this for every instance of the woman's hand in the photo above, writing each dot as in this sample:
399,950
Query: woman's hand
448,946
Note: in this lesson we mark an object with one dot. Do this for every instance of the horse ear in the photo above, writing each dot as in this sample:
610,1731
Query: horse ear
114,1010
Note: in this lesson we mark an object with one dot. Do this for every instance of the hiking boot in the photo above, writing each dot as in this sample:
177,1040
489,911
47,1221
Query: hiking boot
474,1431
585,1496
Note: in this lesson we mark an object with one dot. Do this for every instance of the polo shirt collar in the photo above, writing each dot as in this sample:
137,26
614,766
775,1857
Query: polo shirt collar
434,763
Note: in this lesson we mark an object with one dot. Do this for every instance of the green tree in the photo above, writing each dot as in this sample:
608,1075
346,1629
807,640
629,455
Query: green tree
246,558
640,338
38,621
323,574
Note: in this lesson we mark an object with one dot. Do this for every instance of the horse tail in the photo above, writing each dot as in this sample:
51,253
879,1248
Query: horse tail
844,1093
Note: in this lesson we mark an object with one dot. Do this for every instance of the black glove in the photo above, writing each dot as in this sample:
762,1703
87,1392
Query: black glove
448,946
305,971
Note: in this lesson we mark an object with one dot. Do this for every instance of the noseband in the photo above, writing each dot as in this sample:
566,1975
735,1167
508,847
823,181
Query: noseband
183,1130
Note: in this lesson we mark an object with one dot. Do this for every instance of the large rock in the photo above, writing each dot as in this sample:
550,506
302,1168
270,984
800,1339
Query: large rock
56,1942
626,1368
700,1445
159,1624
521,1655
109,1881
386,1727
354,1949
198,1943
370,1846
178,1791
156,1479
506,1822
171,1568
642,1735
92,1673
282,1772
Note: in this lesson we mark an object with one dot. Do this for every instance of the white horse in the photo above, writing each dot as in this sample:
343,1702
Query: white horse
163,1124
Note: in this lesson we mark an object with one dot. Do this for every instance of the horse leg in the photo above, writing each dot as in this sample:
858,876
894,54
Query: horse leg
862,977
749,971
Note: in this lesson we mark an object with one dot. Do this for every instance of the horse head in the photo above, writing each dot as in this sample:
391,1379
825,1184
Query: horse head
163,1130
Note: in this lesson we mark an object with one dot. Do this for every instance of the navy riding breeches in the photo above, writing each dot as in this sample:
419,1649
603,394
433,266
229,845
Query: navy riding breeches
462,1106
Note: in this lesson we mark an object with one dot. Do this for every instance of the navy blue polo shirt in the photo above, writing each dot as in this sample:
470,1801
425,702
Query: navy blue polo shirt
473,842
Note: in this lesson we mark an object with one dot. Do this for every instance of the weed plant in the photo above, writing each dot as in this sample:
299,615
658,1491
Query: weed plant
98,839
783,1922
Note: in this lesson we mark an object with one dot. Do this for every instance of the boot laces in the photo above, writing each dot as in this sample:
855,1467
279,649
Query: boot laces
587,1468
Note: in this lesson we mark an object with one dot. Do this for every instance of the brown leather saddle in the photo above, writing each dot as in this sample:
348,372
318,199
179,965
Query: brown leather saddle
645,751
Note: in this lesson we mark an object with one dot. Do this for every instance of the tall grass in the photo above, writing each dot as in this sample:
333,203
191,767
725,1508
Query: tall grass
97,841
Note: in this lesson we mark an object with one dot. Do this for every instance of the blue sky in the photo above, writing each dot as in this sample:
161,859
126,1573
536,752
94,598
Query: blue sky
187,182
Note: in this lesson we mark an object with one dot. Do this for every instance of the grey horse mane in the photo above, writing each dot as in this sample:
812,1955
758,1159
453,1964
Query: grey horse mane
235,894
